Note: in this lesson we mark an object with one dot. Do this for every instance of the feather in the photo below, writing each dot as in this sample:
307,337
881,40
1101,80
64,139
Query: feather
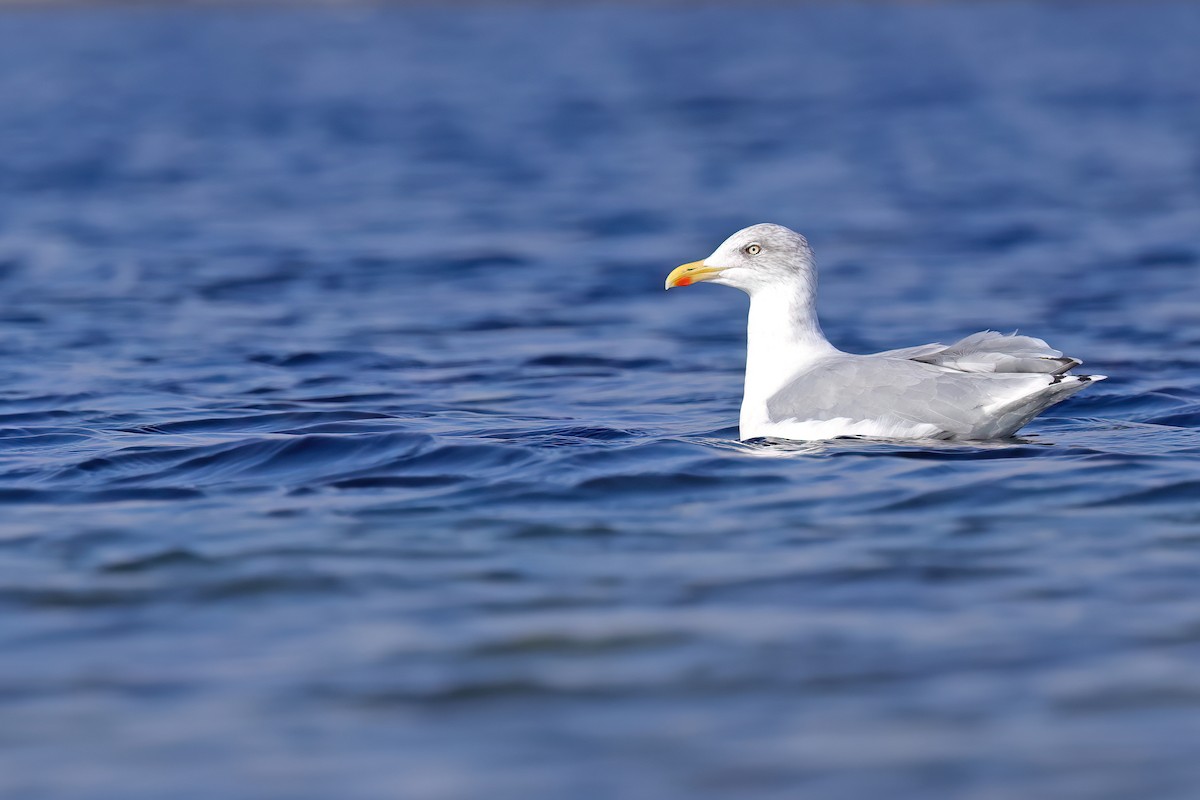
989,351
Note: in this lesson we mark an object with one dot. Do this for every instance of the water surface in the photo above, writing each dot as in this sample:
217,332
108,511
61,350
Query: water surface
350,448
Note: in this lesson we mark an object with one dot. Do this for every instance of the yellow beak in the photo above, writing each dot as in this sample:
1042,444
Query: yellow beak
687,274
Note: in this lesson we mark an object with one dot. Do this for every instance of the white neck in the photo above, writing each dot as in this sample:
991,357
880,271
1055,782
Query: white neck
782,337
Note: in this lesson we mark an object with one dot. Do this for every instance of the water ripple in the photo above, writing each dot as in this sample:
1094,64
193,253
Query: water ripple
349,444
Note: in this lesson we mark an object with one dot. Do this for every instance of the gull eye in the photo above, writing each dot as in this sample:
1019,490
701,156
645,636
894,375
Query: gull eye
753,249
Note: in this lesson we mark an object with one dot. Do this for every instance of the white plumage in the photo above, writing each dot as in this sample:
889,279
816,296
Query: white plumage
799,386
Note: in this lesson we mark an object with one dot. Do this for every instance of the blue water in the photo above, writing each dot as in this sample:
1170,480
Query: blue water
349,446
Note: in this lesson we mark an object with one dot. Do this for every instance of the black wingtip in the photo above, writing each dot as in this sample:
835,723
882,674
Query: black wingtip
1085,379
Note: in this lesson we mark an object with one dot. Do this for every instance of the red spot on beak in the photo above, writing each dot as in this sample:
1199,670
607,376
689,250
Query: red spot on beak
684,281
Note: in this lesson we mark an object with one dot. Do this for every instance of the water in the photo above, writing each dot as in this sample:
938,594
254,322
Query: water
351,448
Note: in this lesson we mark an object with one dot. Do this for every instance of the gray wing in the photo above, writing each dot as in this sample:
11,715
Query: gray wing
988,351
882,387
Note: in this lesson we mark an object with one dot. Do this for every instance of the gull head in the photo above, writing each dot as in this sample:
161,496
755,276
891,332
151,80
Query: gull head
760,257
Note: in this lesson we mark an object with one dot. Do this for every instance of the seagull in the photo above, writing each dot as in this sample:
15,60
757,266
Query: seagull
800,387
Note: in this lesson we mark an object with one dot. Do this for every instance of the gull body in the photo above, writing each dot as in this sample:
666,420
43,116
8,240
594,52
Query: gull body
799,386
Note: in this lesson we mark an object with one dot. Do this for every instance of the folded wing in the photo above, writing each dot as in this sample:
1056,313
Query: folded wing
989,351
